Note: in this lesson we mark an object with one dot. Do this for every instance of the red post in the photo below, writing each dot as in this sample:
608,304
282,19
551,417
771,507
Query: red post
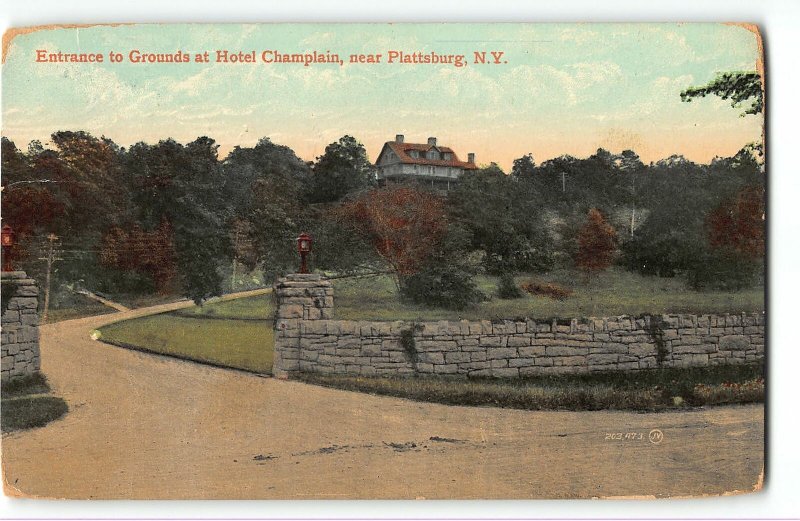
304,248
8,243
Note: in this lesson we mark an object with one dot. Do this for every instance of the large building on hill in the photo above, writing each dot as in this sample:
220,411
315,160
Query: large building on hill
428,163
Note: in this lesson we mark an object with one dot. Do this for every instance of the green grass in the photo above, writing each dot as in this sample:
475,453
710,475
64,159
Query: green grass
616,292
247,308
649,390
25,404
239,344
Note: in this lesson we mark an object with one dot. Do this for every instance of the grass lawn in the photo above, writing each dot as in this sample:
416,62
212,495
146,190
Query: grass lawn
649,390
241,344
26,404
615,292
247,308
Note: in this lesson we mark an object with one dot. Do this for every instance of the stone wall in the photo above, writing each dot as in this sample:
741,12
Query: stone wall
308,339
20,326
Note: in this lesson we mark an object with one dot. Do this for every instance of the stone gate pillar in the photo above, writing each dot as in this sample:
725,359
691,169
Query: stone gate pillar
20,326
299,298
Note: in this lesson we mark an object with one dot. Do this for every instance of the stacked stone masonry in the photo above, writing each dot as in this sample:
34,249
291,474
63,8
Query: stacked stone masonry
509,348
20,326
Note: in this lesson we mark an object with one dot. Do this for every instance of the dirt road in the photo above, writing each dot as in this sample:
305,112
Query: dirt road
145,426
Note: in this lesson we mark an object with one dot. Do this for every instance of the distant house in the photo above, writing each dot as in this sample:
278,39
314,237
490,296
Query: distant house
426,163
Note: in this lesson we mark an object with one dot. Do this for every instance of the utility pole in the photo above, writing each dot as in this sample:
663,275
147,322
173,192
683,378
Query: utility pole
235,256
633,202
51,258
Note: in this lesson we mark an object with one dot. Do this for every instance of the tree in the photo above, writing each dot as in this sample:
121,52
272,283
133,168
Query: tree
738,87
596,243
29,204
403,224
505,220
268,163
524,167
445,278
343,168
131,248
180,184
738,223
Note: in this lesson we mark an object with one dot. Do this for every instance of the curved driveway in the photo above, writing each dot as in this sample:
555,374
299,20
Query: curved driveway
147,426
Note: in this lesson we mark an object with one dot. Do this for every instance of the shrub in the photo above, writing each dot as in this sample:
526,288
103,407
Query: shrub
730,392
441,285
722,269
547,289
507,288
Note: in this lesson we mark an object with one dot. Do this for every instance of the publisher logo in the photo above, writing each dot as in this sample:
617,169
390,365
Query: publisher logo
656,436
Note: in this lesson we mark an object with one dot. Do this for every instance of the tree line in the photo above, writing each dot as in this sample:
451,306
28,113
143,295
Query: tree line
175,218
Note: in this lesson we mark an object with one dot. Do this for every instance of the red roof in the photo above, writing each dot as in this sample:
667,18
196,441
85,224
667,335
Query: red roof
402,149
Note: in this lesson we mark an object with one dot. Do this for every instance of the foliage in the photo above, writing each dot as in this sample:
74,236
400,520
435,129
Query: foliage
30,412
409,345
151,253
596,243
9,289
748,391
738,223
722,269
504,219
645,390
180,184
24,407
655,329
507,288
172,217
343,169
738,87
403,225
547,289
681,197
614,292
443,286
524,167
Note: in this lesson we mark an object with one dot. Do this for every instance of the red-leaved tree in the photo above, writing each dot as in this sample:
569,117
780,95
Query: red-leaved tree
738,223
597,241
151,253
403,224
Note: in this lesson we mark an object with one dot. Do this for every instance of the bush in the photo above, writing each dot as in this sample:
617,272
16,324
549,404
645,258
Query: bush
507,288
723,269
729,392
441,285
546,289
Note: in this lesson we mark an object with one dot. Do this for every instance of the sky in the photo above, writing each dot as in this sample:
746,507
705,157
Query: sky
559,89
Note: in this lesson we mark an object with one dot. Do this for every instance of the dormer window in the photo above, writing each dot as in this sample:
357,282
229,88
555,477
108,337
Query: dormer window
448,156
433,155
414,154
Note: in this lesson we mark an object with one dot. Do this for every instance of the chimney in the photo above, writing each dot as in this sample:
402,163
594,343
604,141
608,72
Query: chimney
432,141
471,157
399,138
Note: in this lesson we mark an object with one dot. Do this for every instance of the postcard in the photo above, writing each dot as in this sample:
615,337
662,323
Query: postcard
383,261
